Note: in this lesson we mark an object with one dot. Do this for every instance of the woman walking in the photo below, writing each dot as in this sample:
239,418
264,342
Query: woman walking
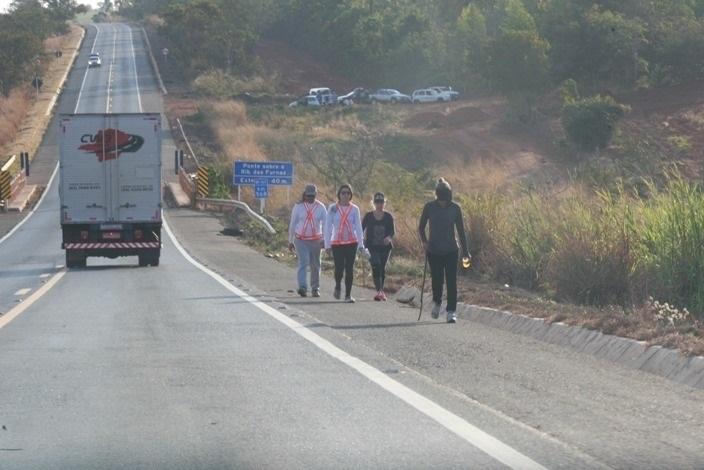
441,246
378,226
343,236
305,235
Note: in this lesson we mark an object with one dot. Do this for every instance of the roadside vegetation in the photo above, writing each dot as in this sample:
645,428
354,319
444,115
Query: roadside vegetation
29,36
577,155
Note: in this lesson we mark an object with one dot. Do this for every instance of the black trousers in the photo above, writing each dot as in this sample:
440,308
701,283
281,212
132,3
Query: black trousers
444,267
344,256
379,258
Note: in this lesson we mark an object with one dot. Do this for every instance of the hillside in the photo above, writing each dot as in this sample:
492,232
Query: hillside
540,230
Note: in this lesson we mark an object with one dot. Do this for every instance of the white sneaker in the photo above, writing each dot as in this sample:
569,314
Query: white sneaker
435,312
451,317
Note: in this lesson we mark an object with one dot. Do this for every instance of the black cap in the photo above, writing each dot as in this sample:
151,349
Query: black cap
379,197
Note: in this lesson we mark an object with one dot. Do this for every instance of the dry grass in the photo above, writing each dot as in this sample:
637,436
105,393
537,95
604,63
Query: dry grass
13,109
23,118
279,134
235,135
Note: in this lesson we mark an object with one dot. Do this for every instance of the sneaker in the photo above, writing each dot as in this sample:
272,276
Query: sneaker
383,296
349,299
336,293
435,312
378,296
316,293
302,292
451,317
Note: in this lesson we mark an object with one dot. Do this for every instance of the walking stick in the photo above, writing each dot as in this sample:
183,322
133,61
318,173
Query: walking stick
422,286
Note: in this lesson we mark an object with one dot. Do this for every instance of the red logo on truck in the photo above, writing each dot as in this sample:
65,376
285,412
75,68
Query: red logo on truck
109,144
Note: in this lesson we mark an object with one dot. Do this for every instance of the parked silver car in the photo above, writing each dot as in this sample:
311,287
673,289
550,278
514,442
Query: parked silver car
308,100
389,95
428,95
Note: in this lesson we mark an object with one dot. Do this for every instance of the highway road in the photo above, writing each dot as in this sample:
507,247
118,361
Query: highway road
182,366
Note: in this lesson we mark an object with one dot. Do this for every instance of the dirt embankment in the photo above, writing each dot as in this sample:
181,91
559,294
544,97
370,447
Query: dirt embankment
24,116
298,72
459,117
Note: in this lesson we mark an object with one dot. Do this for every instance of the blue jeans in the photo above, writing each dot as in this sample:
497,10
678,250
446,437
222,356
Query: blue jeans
308,252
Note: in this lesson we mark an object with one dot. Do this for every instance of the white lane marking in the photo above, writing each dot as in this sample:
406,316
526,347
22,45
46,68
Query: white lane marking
107,102
39,203
112,63
45,275
134,65
85,75
16,311
23,292
465,430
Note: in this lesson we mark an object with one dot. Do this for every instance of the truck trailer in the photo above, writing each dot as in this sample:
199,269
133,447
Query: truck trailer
110,186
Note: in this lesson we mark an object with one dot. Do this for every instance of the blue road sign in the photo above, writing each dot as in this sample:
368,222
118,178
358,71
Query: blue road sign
261,188
275,173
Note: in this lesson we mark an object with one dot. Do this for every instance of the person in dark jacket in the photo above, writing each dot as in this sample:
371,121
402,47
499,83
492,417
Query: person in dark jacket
444,217
378,227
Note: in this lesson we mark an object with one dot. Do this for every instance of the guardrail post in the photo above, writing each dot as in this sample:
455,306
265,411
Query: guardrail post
180,158
176,162
26,163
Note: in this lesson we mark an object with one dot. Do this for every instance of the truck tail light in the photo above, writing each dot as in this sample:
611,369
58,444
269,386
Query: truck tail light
138,234
84,235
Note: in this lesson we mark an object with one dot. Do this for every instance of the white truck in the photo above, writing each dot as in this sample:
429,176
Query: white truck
110,186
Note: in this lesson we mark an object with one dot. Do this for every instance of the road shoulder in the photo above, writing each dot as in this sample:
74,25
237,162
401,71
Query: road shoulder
527,380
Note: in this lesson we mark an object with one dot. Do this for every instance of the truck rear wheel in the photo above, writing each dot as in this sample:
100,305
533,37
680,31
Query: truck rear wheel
149,257
75,259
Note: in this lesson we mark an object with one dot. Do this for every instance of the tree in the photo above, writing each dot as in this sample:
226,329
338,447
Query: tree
590,123
595,46
206,34
468,46
18,49
518,64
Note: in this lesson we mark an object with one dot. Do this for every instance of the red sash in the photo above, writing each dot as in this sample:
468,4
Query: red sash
345,227
309,222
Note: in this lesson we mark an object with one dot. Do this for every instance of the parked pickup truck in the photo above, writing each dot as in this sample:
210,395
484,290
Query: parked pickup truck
110,186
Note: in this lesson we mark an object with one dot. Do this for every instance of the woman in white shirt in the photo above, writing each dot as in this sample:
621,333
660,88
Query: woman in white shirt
344,236
305,235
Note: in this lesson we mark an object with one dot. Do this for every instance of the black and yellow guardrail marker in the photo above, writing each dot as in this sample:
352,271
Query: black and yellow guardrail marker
202,186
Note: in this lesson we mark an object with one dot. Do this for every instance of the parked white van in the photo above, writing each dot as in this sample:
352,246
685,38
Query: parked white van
325,95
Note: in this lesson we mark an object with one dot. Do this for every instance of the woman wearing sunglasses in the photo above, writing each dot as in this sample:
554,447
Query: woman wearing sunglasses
343,237
378,226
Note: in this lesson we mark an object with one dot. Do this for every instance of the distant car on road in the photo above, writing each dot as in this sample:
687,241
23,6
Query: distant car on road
447,91
325,95
389,95
94,59
358,95
308,100
428,95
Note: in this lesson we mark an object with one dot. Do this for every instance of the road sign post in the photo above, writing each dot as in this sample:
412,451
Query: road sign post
261,175
261,192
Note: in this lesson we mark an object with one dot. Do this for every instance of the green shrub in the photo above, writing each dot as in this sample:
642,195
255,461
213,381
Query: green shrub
527,242
218,84
590,122
673,240
681,143
593,262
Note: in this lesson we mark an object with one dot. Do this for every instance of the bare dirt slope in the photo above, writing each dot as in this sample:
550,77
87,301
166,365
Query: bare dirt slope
465,139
